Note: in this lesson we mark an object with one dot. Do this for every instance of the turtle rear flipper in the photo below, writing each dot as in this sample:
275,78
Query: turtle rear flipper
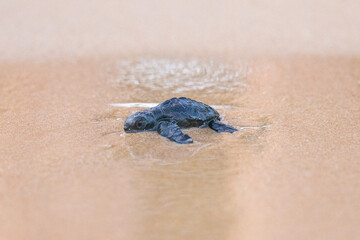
218,126
173,132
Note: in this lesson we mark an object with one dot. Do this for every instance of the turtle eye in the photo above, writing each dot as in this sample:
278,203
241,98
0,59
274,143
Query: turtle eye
140,124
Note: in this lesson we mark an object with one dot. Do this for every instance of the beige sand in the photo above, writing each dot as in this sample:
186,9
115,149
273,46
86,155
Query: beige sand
68,171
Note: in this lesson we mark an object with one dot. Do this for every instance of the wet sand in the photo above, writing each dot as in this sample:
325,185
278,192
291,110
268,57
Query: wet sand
290,83
292,171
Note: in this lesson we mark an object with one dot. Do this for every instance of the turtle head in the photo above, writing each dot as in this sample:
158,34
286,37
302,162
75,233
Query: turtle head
139,122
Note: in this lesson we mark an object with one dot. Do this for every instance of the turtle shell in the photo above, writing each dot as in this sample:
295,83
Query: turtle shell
185,112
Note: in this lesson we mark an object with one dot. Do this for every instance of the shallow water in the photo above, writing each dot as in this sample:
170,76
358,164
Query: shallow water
292,171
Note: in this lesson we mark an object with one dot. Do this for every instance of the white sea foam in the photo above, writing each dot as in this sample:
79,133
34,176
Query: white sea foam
149,105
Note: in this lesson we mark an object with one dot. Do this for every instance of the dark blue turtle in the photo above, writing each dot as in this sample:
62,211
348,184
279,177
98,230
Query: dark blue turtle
169,117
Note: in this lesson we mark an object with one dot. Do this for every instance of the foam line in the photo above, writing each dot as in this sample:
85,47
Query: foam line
149,105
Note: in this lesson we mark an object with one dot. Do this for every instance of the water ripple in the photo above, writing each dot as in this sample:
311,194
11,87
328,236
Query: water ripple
177,76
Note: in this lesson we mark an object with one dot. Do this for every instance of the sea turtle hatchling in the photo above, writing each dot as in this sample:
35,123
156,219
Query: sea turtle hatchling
169,117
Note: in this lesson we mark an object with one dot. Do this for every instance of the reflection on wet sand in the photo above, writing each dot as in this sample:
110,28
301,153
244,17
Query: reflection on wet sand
185,191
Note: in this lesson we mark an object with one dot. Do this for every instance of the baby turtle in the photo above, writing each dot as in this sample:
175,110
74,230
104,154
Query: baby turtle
169,117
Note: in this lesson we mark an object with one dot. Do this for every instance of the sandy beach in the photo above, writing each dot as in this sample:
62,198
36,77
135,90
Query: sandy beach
286,74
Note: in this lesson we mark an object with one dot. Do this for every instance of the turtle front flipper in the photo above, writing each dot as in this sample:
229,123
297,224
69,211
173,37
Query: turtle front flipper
218,126
173,132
